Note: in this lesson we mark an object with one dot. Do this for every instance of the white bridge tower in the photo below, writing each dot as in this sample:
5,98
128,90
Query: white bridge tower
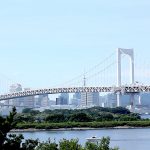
130,53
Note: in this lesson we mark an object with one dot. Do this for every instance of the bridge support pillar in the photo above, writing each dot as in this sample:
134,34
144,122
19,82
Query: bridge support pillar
139,100
130,53
118,99
132,103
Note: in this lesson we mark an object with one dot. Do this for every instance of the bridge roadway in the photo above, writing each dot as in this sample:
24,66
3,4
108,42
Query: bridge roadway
122,89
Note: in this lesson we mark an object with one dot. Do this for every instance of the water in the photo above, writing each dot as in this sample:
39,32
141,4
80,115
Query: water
125,139
145,116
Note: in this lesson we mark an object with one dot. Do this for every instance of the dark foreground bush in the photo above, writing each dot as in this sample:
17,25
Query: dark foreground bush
73,144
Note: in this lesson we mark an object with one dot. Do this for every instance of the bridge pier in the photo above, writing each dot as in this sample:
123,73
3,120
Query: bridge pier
132,100
139,99
118,99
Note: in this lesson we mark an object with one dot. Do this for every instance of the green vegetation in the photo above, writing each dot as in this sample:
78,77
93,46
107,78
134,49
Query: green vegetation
74,145
96,117
15,142
95,114
105,124
12,141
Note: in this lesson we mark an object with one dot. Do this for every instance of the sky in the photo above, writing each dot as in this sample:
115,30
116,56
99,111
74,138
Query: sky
45,43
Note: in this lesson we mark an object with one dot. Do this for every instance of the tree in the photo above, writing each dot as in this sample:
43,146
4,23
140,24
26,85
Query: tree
120,110
47,146
91,146
80,117
55,118
27,110
105,117
103,145
69,145
12,141
29,144
6,124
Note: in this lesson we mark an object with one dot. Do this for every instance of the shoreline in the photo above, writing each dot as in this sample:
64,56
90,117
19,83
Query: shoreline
76,129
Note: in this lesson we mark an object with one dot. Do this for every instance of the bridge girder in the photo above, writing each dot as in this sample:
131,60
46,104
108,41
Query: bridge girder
122,89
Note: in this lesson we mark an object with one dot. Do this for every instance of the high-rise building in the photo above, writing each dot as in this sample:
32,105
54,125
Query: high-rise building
63,99
29,101
52,102
125,100
101,101
15,88
145,99
58,102
110,100
77,96
90,99
76,100
96,99
43,100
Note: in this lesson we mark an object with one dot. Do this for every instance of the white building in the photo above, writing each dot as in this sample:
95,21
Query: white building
17,101
90,99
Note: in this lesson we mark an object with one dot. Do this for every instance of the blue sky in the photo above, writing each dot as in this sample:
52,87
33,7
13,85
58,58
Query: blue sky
45,43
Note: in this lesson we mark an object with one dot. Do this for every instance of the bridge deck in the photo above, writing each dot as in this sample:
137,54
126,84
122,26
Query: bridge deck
123,89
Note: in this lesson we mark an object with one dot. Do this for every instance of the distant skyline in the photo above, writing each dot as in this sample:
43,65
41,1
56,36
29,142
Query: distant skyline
45,43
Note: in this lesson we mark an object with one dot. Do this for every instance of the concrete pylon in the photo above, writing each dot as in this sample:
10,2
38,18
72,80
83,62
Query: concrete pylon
130,53
139,99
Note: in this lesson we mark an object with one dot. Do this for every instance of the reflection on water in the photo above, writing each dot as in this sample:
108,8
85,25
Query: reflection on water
126,139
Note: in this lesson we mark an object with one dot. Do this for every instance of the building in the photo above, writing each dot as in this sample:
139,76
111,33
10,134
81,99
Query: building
17,101
90,99
15,88
28,101
43,100
76,100
63,99
145,99
110,100
96,99
58,101
77,96
126,100
52,102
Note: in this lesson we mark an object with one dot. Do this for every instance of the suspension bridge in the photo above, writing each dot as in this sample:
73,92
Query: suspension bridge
131,88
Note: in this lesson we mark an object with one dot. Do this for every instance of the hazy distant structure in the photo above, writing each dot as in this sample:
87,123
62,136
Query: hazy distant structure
109,100
90,99
15,88
77,96
63,99
43,100
58,101
76,100
145,99
52,102
28,101
24,101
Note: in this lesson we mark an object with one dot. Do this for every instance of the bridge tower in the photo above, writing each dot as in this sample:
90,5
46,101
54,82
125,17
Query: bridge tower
130,53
